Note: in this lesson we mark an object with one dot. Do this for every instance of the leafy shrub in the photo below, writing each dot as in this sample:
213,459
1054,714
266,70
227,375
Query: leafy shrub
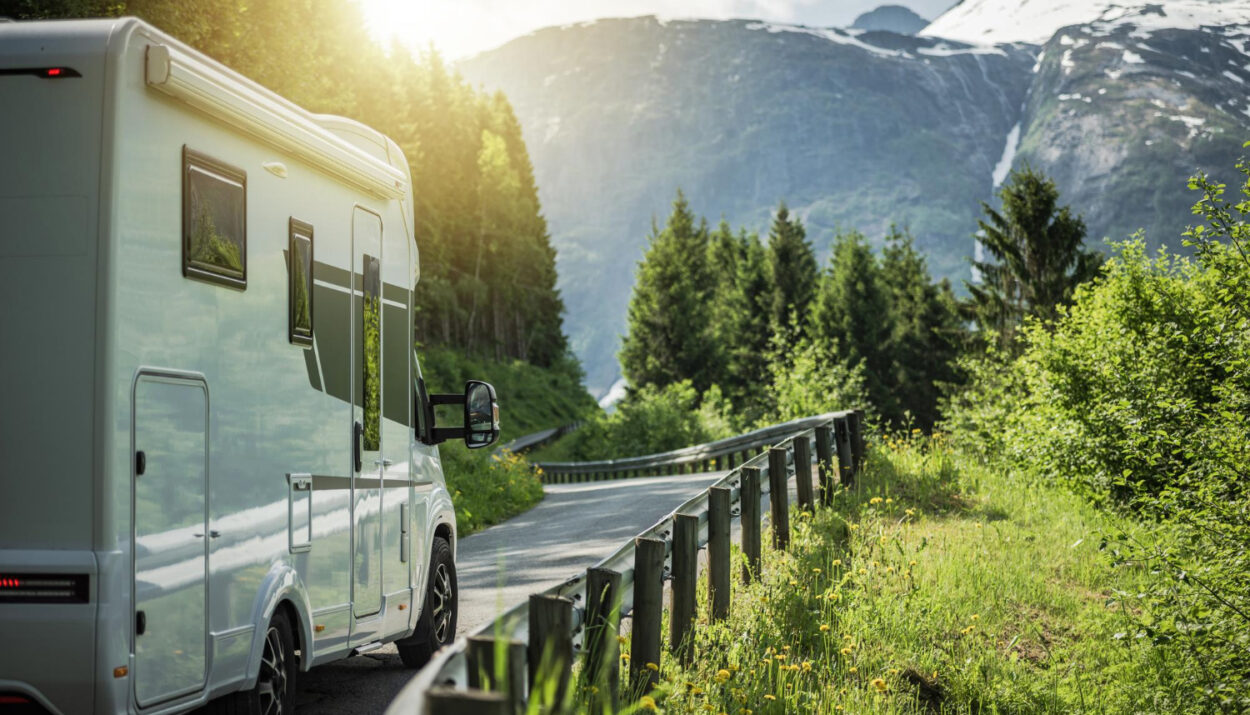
811,383
488,488
1139,395
653,419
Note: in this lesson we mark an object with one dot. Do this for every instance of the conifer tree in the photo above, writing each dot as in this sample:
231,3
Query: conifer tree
670,336
851,320
747,333
794,271
926,332
1038,256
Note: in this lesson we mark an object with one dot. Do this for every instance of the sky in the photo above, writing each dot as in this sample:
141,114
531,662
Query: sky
463,28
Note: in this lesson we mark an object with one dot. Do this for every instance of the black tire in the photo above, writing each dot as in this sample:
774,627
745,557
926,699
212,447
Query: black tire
274,692
436,626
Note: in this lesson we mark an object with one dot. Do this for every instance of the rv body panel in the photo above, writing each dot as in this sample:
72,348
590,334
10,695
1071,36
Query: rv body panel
144,359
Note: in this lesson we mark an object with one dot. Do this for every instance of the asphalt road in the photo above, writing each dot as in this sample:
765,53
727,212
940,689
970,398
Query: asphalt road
572,528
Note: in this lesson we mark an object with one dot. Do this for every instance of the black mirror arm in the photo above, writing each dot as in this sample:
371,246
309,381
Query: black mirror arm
457,399
442,434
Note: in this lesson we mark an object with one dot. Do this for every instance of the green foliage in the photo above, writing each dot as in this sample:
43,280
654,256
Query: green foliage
851,319
670,317
744,330
794,272
937,585
653,419
811,382
488,488
1138,394
1038,256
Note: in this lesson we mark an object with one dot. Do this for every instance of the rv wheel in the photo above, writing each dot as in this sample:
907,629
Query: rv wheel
436,627
274,692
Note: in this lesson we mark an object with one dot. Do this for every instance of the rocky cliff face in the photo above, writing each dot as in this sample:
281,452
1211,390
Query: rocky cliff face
854,129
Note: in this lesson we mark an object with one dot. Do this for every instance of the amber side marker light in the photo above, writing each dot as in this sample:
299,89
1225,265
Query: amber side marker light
319,628
120,672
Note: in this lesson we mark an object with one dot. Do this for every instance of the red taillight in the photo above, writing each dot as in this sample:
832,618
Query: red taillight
54,72
10,583
14,700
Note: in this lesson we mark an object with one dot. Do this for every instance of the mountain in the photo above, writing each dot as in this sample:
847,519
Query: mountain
1036,21
854,129
891,18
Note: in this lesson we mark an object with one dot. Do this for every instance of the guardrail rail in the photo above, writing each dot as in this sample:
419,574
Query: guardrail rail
494,669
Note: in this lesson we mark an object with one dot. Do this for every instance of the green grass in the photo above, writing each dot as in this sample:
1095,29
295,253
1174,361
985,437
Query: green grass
946,587
487,489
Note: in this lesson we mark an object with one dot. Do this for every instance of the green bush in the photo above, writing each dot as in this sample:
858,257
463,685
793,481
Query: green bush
652,419
488,488
1138,396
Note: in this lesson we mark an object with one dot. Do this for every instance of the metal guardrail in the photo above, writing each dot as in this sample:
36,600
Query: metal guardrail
533,440
722,454
449,667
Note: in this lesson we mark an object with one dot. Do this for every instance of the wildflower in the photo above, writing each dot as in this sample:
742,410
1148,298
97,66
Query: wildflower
910,512
770,697
780,656
622,640
807,666
722,675
653,666
647,703
838,708
893,671
880,685
846,650
852,669
912,562
625,657
875,500
837,562
793,582
889,501
975,616
889,569
977,524
824,628
817,571
863,572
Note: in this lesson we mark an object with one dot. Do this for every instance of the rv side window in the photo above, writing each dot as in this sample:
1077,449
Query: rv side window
214,220
300,261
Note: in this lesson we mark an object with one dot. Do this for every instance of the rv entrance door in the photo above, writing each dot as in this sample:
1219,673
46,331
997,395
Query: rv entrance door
367,411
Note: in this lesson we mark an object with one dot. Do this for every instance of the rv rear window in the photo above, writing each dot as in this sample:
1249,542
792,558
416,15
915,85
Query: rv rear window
214,220
300,256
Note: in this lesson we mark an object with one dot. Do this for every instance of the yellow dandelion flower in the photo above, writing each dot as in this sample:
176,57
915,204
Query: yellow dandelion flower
653,666
852,669
889,569
807,666
770,697
889,501
846,651
824,628
837,562
625,657
817,571
622,640
722,675
875,500
912,562
977,524
880,685
910,512
647,703
975,616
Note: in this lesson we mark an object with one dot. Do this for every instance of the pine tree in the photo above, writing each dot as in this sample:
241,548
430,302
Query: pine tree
1038,256
670,336
747,333
851,321
794,271
926,332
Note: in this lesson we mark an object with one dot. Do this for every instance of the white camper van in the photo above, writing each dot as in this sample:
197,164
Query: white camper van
217,460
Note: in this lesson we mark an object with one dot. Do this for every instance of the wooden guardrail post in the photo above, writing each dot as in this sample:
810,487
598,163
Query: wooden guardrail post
779,497
803,473
824,463
648,609
550,651
718,500
846,464
857,439
685,579
750,499
603,624
446,701
485,670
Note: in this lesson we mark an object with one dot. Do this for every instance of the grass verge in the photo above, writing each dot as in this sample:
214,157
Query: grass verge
944,586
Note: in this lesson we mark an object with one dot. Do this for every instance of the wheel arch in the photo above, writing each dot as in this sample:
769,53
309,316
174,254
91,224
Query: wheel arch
282,590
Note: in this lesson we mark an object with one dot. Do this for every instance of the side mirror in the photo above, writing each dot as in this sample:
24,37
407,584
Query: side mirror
481,414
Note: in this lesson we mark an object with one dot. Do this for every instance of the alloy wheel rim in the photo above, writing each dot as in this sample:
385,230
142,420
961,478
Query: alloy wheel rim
443,603
272,682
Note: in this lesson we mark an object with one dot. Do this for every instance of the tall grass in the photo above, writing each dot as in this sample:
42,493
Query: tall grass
936,585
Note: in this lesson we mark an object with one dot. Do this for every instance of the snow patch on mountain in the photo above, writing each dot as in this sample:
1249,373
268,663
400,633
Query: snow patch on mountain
1036,21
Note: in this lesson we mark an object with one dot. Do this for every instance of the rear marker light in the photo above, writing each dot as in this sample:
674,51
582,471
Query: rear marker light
44,72
43,588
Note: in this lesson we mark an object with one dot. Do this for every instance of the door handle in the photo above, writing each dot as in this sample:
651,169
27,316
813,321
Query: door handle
358,431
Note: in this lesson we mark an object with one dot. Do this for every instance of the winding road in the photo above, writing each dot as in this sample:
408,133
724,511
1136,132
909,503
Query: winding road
573,527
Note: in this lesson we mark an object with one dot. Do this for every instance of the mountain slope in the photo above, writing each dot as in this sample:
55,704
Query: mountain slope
890,18
859,129
852,129
1036,21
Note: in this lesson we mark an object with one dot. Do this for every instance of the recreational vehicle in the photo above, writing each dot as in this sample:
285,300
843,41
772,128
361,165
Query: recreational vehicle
218,462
